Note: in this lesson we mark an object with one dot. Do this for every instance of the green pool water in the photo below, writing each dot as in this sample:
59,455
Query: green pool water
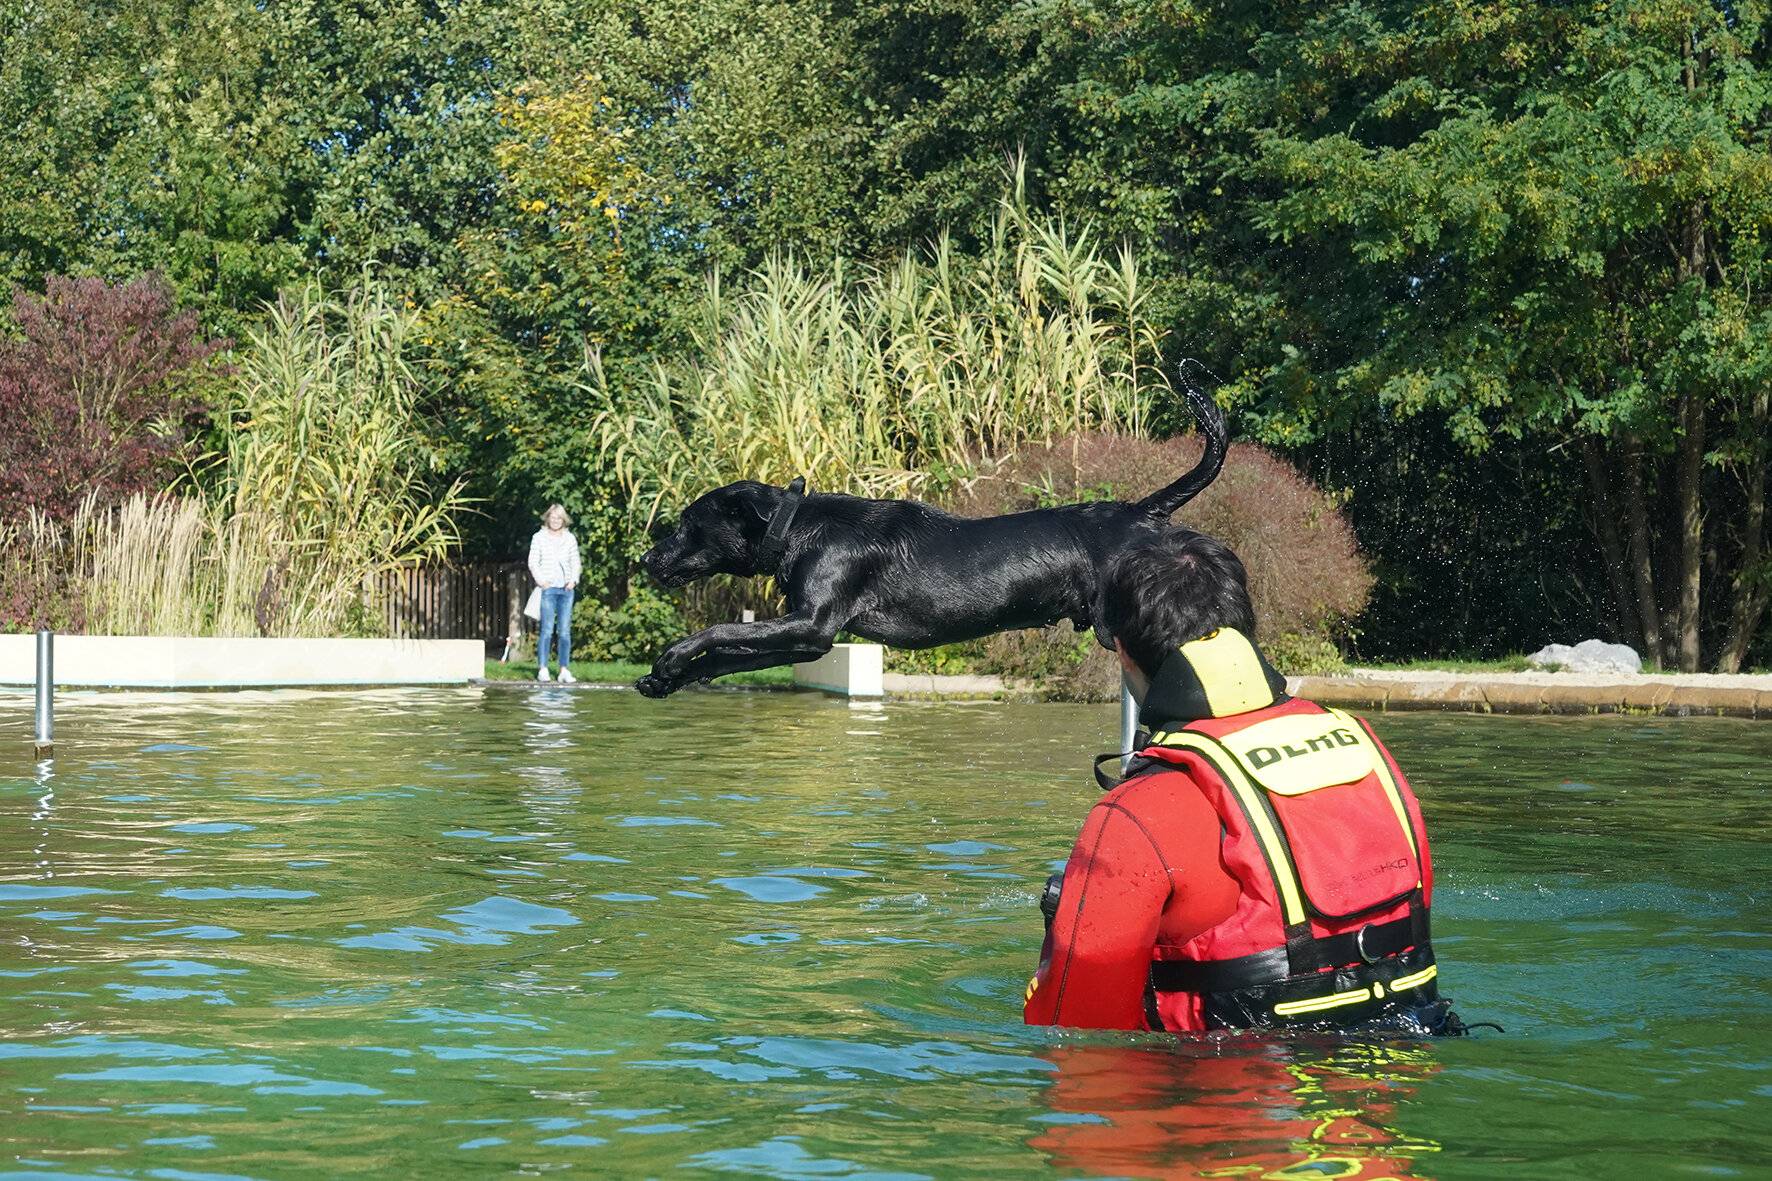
521,932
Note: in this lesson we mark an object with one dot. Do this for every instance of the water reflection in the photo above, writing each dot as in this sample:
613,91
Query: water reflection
1235,1107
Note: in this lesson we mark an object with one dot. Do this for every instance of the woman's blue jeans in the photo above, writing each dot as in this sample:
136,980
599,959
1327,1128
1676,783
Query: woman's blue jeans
556,621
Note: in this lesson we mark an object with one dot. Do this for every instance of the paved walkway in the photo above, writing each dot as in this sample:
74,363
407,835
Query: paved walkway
1679,694
1476,692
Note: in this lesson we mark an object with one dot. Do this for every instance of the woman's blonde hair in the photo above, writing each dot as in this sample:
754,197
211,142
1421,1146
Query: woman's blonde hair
565,517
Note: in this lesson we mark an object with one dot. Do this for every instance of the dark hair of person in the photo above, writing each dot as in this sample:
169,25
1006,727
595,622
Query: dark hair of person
1172,587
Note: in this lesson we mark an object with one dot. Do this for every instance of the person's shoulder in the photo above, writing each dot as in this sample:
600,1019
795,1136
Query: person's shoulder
1162,799
1153,779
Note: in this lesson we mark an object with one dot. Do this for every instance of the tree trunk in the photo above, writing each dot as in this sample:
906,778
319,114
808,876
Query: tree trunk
1641,555
1689,458
1689,468
1664,505
1750,587
1611,545
1689,462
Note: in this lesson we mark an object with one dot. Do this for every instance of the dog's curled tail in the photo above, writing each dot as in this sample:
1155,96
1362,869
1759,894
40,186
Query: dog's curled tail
1210,420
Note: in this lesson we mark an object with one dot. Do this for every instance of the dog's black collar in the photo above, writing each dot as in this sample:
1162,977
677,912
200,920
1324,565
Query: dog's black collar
775,541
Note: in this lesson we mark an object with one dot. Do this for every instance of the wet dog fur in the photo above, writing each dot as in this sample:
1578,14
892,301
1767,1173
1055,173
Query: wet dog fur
899,571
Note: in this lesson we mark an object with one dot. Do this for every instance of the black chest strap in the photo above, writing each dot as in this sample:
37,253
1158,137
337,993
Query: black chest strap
1367,945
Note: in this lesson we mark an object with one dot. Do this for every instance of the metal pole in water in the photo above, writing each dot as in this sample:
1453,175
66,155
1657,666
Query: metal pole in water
1128,723
44,742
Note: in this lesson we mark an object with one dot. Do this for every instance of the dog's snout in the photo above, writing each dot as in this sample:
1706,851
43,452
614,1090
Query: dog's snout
657,564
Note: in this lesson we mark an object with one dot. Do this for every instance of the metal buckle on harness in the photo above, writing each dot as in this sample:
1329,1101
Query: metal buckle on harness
1360,945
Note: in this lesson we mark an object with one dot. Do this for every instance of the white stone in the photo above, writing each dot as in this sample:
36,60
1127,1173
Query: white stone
209,662
1589,656
849,670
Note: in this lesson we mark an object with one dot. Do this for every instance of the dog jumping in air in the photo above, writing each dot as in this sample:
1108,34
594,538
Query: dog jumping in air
900,572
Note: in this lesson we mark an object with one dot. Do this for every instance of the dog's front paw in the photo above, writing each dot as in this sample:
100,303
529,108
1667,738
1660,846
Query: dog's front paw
653,685
672,664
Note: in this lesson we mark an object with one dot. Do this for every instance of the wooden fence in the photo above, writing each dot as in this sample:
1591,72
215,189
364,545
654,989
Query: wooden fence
477,601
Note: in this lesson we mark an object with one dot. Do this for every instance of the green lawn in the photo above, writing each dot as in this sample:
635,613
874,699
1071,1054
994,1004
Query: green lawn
1504,664
611,672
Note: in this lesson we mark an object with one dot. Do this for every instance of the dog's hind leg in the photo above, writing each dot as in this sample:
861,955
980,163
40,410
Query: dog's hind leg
736,647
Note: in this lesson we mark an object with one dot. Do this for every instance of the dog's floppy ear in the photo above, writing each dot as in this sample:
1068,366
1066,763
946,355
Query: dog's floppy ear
1102,635
752,499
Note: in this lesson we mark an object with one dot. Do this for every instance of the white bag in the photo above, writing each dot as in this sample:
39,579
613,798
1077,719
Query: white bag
533,607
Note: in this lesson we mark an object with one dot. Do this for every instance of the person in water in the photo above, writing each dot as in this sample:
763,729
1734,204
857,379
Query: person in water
1262,864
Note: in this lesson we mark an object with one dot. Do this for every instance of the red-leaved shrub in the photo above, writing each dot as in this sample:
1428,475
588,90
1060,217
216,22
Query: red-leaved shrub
1306,576
96,392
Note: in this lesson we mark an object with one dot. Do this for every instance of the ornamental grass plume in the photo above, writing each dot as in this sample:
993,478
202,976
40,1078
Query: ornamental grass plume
325,479
876,380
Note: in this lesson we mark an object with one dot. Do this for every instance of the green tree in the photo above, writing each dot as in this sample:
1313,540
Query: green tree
240,147
1531,221
1553,223
145,137
669,141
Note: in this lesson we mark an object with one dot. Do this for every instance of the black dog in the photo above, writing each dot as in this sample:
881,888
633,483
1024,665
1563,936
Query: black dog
898,571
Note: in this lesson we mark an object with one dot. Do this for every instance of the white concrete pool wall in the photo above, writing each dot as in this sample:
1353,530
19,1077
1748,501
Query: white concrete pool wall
849,670
185,662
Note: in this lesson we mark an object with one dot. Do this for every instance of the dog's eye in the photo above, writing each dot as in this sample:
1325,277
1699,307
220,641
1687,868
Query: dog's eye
661,530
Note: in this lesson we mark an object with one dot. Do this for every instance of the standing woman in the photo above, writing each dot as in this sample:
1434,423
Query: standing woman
554,564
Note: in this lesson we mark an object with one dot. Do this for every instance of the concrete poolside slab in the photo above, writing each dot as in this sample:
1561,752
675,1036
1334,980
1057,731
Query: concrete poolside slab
847,670
1379,690
1449,695
1646,696
1353,691
155,662
1682,694
1580,699
930,685
1505,697
1725,701
209,662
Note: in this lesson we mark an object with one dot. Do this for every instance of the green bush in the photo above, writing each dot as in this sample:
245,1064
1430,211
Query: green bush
643,625
1303,654
947,660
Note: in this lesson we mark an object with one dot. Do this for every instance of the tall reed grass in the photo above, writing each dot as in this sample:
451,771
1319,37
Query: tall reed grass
874,379
321,484
324,477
